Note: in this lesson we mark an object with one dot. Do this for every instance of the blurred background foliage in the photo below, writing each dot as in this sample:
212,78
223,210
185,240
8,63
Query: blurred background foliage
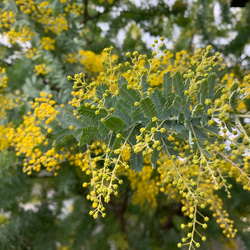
43,42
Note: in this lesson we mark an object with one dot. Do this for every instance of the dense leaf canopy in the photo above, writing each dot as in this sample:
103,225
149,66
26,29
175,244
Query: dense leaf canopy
124,124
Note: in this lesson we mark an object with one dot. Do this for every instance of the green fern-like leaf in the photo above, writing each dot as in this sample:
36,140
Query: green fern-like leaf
115,124
145,85
176,106
234,87
211,85
218,93
159,101
148,108
178,84
100,90
121,105
87,112
136,161
129,95
154,158
137,116
203,92
122,80
167,86
197,110
233,99
88,134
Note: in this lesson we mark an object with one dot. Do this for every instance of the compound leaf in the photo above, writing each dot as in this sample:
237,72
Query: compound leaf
178,84
211,85
167,86
197,110
88,134
129,95
136,161
148,108
100,90
114,124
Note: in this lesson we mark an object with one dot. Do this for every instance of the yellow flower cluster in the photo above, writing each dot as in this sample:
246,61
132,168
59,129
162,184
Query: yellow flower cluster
45,16
47,43
8,102
246,83
228,79
45,108
75,102
73,8
102,182
215,204
6,18
3,79
31,142
24,35
71,58
161,63
28,137
189,178
91,61
144,186
222,217
31,52
27,6
42,13
41,69
4,142
195,194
